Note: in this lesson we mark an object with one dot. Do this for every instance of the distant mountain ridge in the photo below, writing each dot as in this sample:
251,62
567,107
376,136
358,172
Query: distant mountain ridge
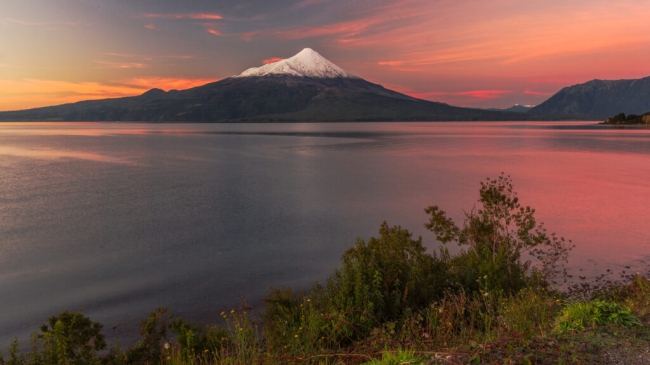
303,88
599,99
517,108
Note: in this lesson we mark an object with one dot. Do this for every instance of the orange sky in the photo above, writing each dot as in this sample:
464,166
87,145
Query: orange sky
468,53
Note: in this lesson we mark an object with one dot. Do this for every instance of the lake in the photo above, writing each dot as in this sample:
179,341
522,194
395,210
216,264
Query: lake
118,219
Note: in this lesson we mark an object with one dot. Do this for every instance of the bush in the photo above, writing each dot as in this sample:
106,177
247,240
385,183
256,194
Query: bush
497,235
384,278
153,332
599,312
69,338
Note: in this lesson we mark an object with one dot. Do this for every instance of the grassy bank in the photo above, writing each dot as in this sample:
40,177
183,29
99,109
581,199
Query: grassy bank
391,302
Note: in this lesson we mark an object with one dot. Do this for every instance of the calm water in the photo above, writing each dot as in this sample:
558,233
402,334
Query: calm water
118,219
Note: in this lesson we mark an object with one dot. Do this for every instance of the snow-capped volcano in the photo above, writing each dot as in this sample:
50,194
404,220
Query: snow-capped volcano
307,63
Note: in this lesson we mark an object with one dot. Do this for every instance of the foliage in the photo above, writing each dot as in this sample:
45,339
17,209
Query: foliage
243,342
384,278
399,357
621,118
195,342
69,338
499,236
153,332
599,312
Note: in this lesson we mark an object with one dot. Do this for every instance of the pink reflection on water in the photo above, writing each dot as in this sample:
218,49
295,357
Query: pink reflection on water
90,128
50,154
598,196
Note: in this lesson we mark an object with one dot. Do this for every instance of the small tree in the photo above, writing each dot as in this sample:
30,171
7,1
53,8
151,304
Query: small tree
384,277
498,234
70,338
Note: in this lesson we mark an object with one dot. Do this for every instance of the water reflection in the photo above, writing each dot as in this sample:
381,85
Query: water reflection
120,218
49,154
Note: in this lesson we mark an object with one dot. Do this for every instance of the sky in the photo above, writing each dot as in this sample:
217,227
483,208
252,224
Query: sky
473,53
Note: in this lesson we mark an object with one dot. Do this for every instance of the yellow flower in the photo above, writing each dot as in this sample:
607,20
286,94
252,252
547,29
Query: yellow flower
232,311
296,336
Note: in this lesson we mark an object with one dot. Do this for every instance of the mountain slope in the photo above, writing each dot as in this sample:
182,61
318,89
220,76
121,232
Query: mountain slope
306,87
599,99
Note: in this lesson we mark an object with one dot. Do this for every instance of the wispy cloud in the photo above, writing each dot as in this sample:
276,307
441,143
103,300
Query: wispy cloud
271,60
151,26
473,94
306,3
196,16
129,55
122,65
213,29
165,83
36,24
537,93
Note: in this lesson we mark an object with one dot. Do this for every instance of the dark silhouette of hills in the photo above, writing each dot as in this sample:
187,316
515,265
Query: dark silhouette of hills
599,99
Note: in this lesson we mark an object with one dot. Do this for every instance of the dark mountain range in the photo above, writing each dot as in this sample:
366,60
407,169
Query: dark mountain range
599,99
305,87
517,108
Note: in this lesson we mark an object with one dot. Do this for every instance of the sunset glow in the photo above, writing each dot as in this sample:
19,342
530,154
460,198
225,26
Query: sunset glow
468,53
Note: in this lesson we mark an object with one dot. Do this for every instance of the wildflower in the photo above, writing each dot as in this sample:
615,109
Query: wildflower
166,345
296,336
299,328
309,300
232,311
206,351
223,314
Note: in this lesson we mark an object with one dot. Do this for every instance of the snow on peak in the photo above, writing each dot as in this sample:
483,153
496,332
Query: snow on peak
307,63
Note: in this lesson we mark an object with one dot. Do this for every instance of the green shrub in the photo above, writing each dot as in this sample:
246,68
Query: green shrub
153,331
195,342
579,315
399,357
499,236
529,311
384,278
68,339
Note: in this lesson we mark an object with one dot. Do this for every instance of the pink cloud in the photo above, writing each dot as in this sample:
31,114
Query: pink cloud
151,26
123,65
306,3
344,29
390,63
199,16
537,93
476,94
272,60
484,94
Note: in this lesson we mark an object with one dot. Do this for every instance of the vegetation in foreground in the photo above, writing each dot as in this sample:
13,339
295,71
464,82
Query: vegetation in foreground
390,302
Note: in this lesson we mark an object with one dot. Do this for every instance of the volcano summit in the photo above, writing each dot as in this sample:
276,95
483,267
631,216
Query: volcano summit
303,88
